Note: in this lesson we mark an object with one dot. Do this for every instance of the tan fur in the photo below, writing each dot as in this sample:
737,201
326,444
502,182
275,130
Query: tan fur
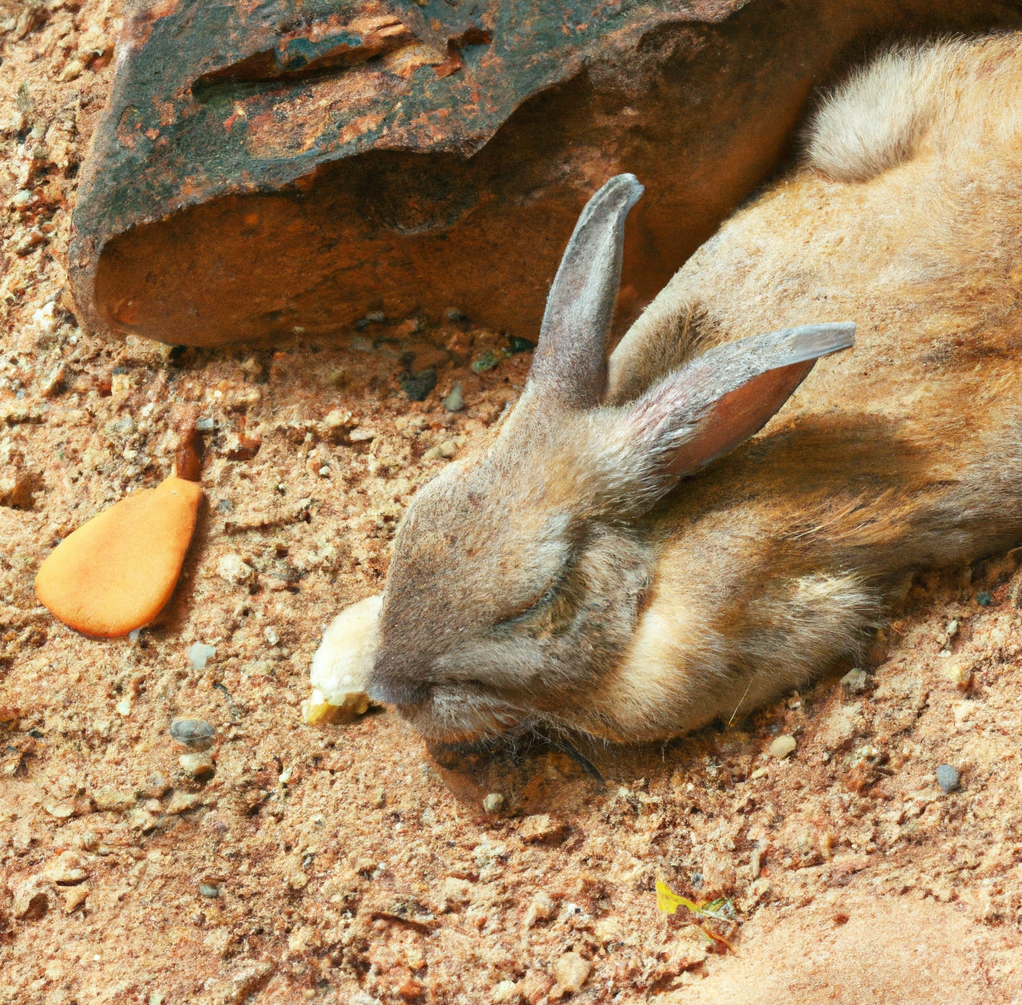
781,557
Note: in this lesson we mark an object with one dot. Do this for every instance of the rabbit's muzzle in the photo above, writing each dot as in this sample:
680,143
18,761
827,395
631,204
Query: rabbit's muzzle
446,713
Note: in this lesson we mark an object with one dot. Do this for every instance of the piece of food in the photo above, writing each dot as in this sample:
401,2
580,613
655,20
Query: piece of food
116,572
342,664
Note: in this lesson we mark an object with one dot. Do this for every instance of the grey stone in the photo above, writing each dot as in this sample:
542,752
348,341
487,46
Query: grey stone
196,734
948,778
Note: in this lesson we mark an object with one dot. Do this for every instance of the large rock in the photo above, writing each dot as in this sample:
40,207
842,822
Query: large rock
293,164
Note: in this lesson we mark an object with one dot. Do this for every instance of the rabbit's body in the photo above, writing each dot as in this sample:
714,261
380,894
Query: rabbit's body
906,452
561,576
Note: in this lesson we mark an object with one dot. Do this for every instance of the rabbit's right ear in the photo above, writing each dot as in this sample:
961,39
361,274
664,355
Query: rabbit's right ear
709,406
569,365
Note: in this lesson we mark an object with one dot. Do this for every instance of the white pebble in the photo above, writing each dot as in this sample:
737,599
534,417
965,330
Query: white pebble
571,971
783,746
200,654
232,569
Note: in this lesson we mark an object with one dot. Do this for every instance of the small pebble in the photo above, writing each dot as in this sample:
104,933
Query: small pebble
200,654
783,746
234,570
984,599
960,676
182,802
948,778
542,908
206,425
417,387
271,636
855,681
455,401
208,890
124,707
505,991
134,634
453,313
197,766
493,803
518,344
571,971
196,734
487,361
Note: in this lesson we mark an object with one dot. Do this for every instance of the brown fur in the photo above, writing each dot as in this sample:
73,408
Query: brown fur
526,583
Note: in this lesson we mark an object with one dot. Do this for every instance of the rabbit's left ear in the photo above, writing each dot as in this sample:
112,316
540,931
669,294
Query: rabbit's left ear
712,404
569,366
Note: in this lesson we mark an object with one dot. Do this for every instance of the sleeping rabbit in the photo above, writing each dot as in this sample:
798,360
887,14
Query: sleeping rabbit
709,519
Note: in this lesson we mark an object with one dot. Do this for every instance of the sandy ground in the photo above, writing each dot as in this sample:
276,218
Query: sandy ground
350,865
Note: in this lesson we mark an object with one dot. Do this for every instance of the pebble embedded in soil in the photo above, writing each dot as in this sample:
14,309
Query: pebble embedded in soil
455,401
960,676
199,654
234,570
196,734
417,387
197,766
517,344
948,778
542,908
493,803
487,361
208,890
572,971
783,746
855,681
542,828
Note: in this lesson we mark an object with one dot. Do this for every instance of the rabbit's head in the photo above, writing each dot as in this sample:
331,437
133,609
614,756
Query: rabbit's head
518,575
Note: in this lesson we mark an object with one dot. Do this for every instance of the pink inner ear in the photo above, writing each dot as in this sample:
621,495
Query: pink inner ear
737,415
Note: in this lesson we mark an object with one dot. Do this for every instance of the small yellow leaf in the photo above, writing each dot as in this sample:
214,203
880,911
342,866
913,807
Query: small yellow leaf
669,902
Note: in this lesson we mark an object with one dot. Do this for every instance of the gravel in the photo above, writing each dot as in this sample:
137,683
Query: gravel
199,654
855,681
948,778
196,734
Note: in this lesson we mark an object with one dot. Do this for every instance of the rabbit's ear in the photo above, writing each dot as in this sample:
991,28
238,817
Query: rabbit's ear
712,404
569,365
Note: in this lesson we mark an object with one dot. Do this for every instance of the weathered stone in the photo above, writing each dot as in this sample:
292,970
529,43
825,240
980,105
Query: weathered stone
783,746
320,159
196,734
543,828
571,971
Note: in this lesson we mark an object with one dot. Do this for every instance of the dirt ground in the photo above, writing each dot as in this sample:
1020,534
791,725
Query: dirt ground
349,865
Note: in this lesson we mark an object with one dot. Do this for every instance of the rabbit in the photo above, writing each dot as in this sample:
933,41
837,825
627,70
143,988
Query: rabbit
714,516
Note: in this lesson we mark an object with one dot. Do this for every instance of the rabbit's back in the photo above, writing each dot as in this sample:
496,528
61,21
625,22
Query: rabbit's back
905,217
